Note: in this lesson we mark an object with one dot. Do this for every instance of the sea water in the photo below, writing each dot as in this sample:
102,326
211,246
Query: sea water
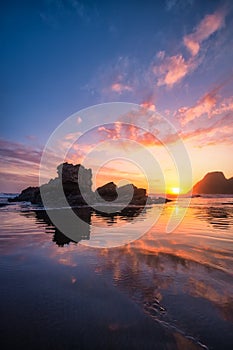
164,290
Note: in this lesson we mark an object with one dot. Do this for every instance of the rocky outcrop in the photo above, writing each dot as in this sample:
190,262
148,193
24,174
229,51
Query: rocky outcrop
108,192
75,176
30,194
138,195
214,183
71,177
76,182
128,194
161,200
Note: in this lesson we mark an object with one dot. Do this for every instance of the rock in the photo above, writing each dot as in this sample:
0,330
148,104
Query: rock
137,196
29,194
75,174
76,182
73,178
160,200
128,194
107,192
214,183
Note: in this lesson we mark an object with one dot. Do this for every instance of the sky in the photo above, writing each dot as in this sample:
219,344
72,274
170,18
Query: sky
173,58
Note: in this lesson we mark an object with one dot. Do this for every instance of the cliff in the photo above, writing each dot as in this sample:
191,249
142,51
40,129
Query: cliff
214,183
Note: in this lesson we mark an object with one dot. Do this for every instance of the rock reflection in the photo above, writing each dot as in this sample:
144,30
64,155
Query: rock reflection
82,231
87,215
118,217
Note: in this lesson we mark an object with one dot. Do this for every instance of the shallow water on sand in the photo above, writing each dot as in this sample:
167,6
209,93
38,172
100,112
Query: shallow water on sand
162,291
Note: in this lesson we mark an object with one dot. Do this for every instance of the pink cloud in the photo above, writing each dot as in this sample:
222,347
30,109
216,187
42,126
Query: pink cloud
73,136
149,106
211,105
119,88
19,166
79,120
225,106
134,133
14,150
203,106
218,133
111,132
172,70
209,25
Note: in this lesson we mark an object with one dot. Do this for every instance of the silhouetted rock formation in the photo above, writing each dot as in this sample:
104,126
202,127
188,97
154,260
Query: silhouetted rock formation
139,194
128,194
108,191
214,183
76,182
71,177
29,194
75,174
160,200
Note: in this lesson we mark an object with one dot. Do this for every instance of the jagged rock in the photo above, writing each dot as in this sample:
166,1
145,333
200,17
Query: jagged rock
214,183
76,182
137,196
108,191
160,200
73,178
29,194
128,194
75,174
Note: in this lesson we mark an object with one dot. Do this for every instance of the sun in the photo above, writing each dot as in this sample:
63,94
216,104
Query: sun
175,190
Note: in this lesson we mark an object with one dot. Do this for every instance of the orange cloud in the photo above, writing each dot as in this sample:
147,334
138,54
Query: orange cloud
204,106
149,106
209,25
119,88
219,132
73,136
127,131
225,106
112,131
172,70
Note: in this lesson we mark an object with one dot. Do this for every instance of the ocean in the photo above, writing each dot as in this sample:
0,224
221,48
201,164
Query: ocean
163,290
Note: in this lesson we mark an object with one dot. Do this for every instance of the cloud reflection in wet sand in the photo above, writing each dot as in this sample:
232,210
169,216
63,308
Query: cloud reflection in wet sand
182,279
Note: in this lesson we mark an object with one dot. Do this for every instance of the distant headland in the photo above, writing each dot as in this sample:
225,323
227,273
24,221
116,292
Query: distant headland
214,183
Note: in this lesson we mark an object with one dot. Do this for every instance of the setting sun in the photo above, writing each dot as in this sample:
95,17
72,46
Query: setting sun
175,190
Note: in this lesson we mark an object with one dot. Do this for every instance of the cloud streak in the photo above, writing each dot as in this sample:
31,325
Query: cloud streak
173,69
219,132
210,105
119,88
19,152
19,165
204,106
209,25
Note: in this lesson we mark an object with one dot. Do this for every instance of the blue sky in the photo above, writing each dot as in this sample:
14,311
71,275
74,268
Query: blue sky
61,56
